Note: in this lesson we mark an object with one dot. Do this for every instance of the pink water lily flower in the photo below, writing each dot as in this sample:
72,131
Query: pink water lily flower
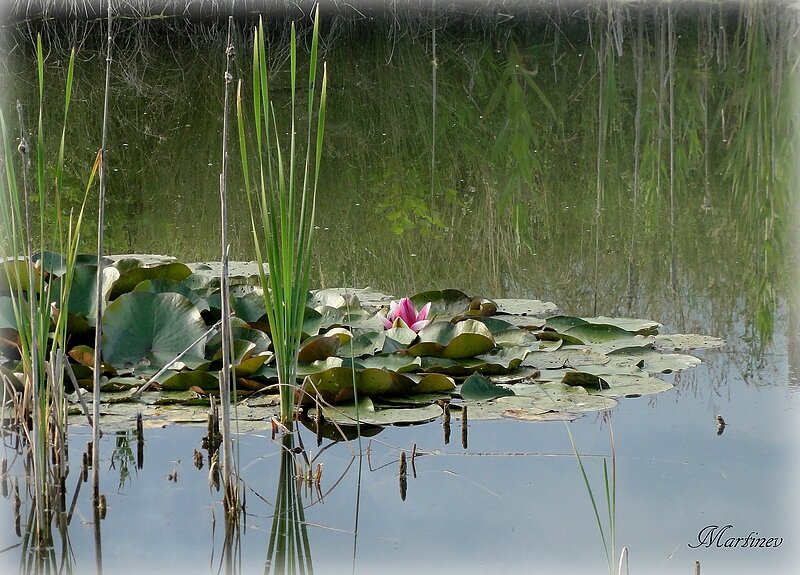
405,311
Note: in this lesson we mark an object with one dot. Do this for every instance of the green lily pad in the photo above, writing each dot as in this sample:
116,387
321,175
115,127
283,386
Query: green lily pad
319,366
333,298
377,382
240,330
250,364
517,409
312,321
606,337
7,318
84,355
507,358
126,262
468,338
557,338
526,307
142,328
517,375
132,276
526,322
633,386
171,286
557,397
653,361
83,291
365,343
445,304
17,270
247,302
239,273
183,380
565,357
496,362
514,337
401,363
551,375
478,388
401,334
562,323
633,325
479,307
367,412
585,380
241,350
367,296
119,383
317,348
431,383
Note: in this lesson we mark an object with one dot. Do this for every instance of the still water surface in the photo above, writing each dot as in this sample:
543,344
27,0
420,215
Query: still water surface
505,197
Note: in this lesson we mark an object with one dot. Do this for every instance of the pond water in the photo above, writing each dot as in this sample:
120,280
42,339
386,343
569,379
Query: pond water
619,162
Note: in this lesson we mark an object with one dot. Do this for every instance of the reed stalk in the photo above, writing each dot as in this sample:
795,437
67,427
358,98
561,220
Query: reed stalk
227,378
283,227
610,488
39,297
97,499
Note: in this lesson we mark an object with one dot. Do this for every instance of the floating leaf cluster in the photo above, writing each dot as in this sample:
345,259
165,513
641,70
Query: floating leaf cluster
503,357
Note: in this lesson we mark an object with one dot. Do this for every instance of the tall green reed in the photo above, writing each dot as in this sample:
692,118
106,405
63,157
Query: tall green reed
610,489
227,377
287,204
37,285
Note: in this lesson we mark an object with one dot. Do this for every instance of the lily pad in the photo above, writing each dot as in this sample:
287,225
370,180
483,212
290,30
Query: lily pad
16,270
247,302
585,380
653,361
478,388
445,304
431,383
240,330
83,291
479,307
562,323
333,298
318,366
317,348
132,276
153,328
465,339
365,343
367,296
183,380
400,334
633,325
368,413
606,337
400,363
633,386
515,336
557,397
84,355
171,286
526,307
7,318
239,273
566,357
